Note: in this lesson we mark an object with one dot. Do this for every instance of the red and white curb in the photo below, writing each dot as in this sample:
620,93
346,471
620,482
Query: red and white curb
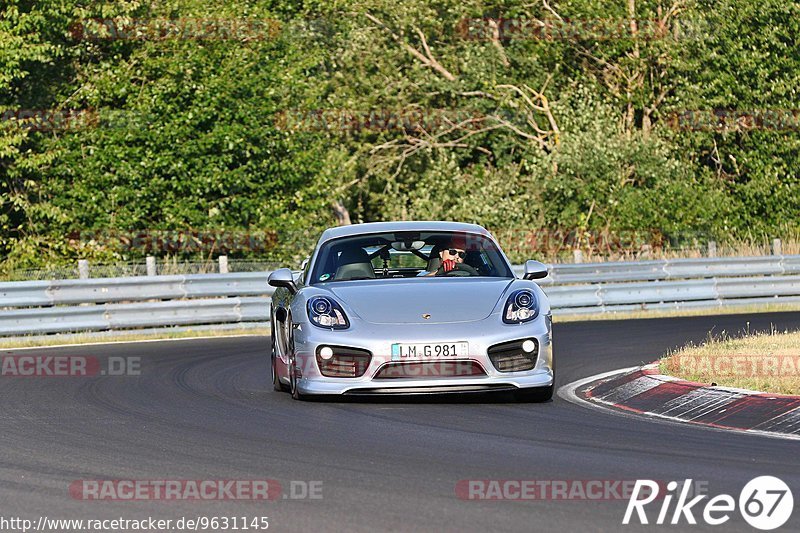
643,391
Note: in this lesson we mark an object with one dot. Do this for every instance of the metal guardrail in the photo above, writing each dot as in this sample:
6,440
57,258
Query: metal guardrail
41,307
133,315
102,290
712,292
670,269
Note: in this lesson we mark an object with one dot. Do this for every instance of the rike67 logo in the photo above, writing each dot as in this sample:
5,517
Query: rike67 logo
765,503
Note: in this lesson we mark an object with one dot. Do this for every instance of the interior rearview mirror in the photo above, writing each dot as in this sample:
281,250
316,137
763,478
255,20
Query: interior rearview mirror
407,246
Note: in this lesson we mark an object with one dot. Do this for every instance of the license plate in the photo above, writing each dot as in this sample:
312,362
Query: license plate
424,350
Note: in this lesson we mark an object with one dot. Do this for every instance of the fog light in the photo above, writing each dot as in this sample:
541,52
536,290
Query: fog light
342,361
528,346
514,356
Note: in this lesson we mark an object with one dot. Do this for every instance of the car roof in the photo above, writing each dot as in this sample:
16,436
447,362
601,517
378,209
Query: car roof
379,227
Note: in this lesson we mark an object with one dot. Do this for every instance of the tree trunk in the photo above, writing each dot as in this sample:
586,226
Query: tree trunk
341,212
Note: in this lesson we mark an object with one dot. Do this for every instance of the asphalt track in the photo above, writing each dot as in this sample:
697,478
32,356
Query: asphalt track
205,409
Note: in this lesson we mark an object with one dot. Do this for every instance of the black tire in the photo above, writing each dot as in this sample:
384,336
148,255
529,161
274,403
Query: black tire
276,382
535,394
293,380
293,368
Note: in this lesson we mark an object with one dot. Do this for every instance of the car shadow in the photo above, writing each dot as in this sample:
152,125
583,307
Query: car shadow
501,397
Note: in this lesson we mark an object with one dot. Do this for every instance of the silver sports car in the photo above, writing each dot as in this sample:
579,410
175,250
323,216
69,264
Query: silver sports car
410,308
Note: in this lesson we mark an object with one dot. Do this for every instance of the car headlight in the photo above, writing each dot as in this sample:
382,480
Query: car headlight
520,307
326,313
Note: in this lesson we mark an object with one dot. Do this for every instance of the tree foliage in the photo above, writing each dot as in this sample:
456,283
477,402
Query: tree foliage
288,117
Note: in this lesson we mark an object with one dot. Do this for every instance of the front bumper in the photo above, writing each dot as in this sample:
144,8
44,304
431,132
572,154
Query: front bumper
378,339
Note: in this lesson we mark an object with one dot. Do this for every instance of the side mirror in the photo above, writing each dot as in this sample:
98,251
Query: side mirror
283,277
534,270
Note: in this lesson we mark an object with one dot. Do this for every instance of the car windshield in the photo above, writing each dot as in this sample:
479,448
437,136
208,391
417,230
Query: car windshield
407,255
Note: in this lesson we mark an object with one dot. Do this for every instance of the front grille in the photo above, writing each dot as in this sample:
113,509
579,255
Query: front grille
510,357
346,362
430,369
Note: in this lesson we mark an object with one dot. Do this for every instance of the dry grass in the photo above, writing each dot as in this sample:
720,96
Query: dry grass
742,249
605,249
768,362
87,338
668,313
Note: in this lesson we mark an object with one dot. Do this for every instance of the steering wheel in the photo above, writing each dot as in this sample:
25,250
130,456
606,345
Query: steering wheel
460,270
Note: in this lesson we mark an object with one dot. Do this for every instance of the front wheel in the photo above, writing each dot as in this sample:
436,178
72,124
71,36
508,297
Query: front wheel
276,381
535,394
293,382
292,363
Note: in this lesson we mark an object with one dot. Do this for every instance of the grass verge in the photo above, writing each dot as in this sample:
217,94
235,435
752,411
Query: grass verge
667,313
766,362
90,338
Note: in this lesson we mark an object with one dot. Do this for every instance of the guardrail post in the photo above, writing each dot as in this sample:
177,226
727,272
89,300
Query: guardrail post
777,247
151,265
712,248
577,256
223,264
83,269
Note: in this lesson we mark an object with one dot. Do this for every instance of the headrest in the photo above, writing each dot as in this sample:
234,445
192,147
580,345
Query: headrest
353,255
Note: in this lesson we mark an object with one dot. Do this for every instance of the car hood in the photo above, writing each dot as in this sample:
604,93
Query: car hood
407,301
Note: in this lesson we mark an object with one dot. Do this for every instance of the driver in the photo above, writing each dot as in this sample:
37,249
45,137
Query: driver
452,254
